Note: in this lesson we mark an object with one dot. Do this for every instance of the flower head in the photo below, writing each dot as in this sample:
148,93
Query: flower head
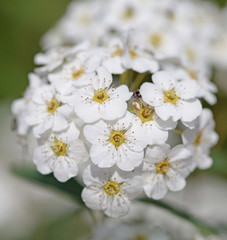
172,99
110,190
166,169
99,100
118,143
61,153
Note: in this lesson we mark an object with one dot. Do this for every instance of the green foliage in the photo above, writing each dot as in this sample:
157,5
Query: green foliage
23,22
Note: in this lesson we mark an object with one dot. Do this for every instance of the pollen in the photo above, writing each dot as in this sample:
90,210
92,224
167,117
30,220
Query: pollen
133,53
52,106
77,73
190,54
59,148
100,96
193,75
118,52
156,40
198,139
146,114
128,14
117,138
111,188
162,167
170,96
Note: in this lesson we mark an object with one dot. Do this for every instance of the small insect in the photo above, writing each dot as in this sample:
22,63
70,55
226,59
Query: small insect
136,94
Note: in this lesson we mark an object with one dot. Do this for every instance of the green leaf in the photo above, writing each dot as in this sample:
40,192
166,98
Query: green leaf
207,228
72,187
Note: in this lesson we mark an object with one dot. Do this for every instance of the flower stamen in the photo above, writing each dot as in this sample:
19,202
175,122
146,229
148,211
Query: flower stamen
59,148
52,106
77,73
156,40
133,53
117,138
118,52
128,14
170,96
100,96
198,139
162,167
146,114
111,188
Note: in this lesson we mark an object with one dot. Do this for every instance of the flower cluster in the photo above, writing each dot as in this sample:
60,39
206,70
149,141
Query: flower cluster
109,106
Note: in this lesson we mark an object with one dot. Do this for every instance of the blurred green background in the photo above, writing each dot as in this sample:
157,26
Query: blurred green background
23,22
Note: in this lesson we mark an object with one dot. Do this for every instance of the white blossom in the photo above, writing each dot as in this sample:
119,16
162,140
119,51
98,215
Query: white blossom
200,139
166,169
99,100
118,143
60,153
172,99
110,190
47,110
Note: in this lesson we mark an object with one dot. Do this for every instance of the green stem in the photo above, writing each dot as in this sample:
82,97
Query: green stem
139,79
126,77
178,131
180,213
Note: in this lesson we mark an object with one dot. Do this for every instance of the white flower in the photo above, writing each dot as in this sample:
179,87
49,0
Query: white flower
20,106
47,110
113,56
55,57
166,169
99,100
60,153
162,40
76,73
117,143
125,15
153,129
136,57
172,99
200,139
82,21
201,75
110,190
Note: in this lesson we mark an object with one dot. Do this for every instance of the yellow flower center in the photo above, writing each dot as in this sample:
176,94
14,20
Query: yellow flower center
111,188
156,40
162,167
52,106
170,96
118,52
146,114
100,96
128,14
117,138
193,75
77,73
140,237
59,148
198,139
85,19
133,53
191,54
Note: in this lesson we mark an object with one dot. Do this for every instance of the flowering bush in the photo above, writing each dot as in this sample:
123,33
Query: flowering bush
123,103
